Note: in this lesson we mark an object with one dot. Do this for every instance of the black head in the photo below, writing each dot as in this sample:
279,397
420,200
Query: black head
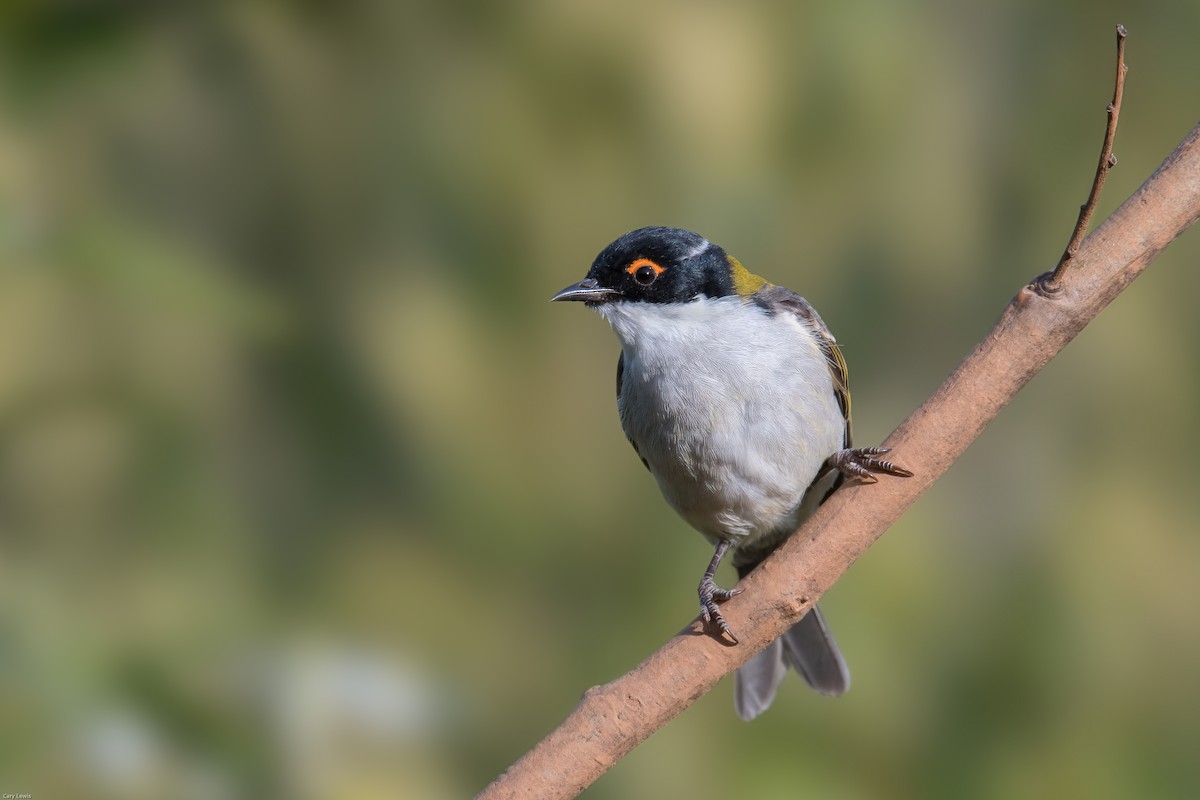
656,265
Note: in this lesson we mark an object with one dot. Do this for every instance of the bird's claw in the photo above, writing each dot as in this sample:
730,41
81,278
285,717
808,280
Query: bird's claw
861,463
710,596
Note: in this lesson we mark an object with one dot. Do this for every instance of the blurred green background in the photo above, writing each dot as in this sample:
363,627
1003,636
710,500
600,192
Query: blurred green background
307,491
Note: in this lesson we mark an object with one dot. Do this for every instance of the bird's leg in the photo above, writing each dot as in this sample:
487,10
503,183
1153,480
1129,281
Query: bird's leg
860,462
711,594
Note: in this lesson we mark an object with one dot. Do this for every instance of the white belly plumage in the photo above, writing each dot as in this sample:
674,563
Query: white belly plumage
734,428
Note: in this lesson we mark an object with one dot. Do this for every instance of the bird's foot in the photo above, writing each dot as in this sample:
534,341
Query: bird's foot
861,463
710,596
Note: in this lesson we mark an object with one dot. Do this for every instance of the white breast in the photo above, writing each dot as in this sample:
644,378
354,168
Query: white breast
733,409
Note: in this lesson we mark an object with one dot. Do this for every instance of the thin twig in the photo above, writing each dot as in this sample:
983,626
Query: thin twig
1051,284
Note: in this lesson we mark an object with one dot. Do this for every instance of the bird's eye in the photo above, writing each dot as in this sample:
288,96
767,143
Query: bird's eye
644,271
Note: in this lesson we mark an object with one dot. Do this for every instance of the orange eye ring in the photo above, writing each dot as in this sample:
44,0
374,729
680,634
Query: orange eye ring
644,271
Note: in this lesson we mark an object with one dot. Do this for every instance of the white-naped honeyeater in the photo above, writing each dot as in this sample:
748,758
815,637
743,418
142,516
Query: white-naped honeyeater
735,395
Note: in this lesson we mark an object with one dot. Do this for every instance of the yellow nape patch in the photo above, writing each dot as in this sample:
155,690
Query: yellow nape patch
745,282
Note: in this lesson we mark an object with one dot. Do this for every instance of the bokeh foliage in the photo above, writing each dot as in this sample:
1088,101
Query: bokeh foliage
306,491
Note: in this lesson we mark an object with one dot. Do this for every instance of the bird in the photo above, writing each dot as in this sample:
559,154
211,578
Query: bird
734,394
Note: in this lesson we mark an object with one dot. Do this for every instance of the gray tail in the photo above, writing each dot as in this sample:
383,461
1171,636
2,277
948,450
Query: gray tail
807,647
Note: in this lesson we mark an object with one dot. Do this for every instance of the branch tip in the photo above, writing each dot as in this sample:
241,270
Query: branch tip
1048,285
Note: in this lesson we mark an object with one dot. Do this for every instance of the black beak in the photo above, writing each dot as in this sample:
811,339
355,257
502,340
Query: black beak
588,290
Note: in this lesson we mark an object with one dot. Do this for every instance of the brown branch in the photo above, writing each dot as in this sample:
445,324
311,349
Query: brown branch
1049,284
614,718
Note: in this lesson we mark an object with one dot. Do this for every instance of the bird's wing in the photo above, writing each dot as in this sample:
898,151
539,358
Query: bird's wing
620,373
778,299
620,383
